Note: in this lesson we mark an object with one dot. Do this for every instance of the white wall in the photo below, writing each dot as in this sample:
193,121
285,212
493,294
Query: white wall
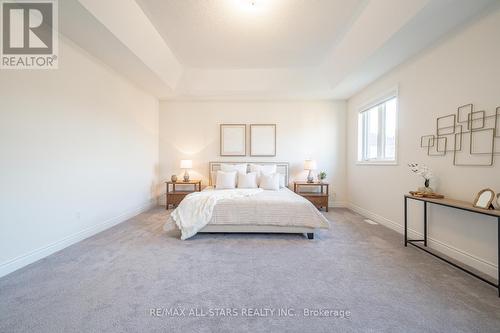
463,69
190,130
78,153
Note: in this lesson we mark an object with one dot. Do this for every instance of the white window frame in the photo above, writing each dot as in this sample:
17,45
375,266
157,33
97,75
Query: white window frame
382,98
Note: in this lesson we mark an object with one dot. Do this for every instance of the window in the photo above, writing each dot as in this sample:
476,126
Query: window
377,132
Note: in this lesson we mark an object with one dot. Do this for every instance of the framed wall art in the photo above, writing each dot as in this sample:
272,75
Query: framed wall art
233,140
263,140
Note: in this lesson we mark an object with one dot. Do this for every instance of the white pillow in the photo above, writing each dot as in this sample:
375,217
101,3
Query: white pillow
225,180
240,168
266,168
248,180
262,170
270,182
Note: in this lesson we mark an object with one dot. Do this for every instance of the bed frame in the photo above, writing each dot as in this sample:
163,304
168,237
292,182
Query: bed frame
281,168
257,229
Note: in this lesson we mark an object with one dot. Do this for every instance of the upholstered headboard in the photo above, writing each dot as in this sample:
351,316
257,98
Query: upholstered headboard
281,168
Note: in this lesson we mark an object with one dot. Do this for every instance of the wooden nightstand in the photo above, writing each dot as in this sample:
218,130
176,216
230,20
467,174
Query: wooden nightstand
175,197
319,199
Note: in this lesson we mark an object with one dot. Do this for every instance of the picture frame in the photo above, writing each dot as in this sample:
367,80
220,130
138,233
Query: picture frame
233,140
263,140
484,199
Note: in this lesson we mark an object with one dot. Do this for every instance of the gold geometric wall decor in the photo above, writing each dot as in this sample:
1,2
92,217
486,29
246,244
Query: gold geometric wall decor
475,123
464,109
427,138
465,158
488,135
441,141
453,141
446,125
477,146
497,123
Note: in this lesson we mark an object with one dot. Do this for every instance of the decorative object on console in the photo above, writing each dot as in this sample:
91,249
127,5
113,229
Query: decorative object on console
481,131
322,176
173,178
430,195
484,199
426,173
310,165
233,140
497,202
186,165
262,140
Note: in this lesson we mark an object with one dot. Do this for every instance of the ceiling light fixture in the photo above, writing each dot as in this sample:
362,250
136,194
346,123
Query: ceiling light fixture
248,4
254,8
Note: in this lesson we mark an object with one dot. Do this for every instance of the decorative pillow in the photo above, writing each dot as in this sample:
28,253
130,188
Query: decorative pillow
225,180
240,168
266,168
248,180
262,170
270,182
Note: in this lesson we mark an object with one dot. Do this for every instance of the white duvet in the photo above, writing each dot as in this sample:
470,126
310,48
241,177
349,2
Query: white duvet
196,209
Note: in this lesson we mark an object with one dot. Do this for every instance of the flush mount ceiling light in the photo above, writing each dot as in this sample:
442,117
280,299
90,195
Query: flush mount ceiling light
252,5
246,4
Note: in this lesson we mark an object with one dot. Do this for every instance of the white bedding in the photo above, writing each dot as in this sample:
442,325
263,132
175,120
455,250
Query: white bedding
196,209
277,208
246,207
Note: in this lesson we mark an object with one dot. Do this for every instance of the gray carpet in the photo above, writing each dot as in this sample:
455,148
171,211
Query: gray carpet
110,283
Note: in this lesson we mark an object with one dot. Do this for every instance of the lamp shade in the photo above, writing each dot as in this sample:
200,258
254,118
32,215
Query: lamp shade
186,164
309,165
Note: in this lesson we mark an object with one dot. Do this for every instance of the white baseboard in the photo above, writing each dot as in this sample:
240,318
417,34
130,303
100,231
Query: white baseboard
28,258
338,204
377,218
469,259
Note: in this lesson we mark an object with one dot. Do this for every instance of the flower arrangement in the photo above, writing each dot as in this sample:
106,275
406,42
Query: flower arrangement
423,171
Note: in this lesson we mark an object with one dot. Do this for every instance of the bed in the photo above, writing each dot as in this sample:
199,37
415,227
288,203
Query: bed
267,211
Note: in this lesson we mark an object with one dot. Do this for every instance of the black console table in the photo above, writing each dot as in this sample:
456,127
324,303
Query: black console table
462,205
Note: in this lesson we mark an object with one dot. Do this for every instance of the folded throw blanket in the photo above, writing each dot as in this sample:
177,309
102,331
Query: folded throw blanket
196,209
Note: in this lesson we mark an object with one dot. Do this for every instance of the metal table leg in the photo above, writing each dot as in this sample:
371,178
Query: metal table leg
406,221
425,223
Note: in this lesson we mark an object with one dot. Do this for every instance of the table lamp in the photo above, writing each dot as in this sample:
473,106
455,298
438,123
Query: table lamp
186,165
310,165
